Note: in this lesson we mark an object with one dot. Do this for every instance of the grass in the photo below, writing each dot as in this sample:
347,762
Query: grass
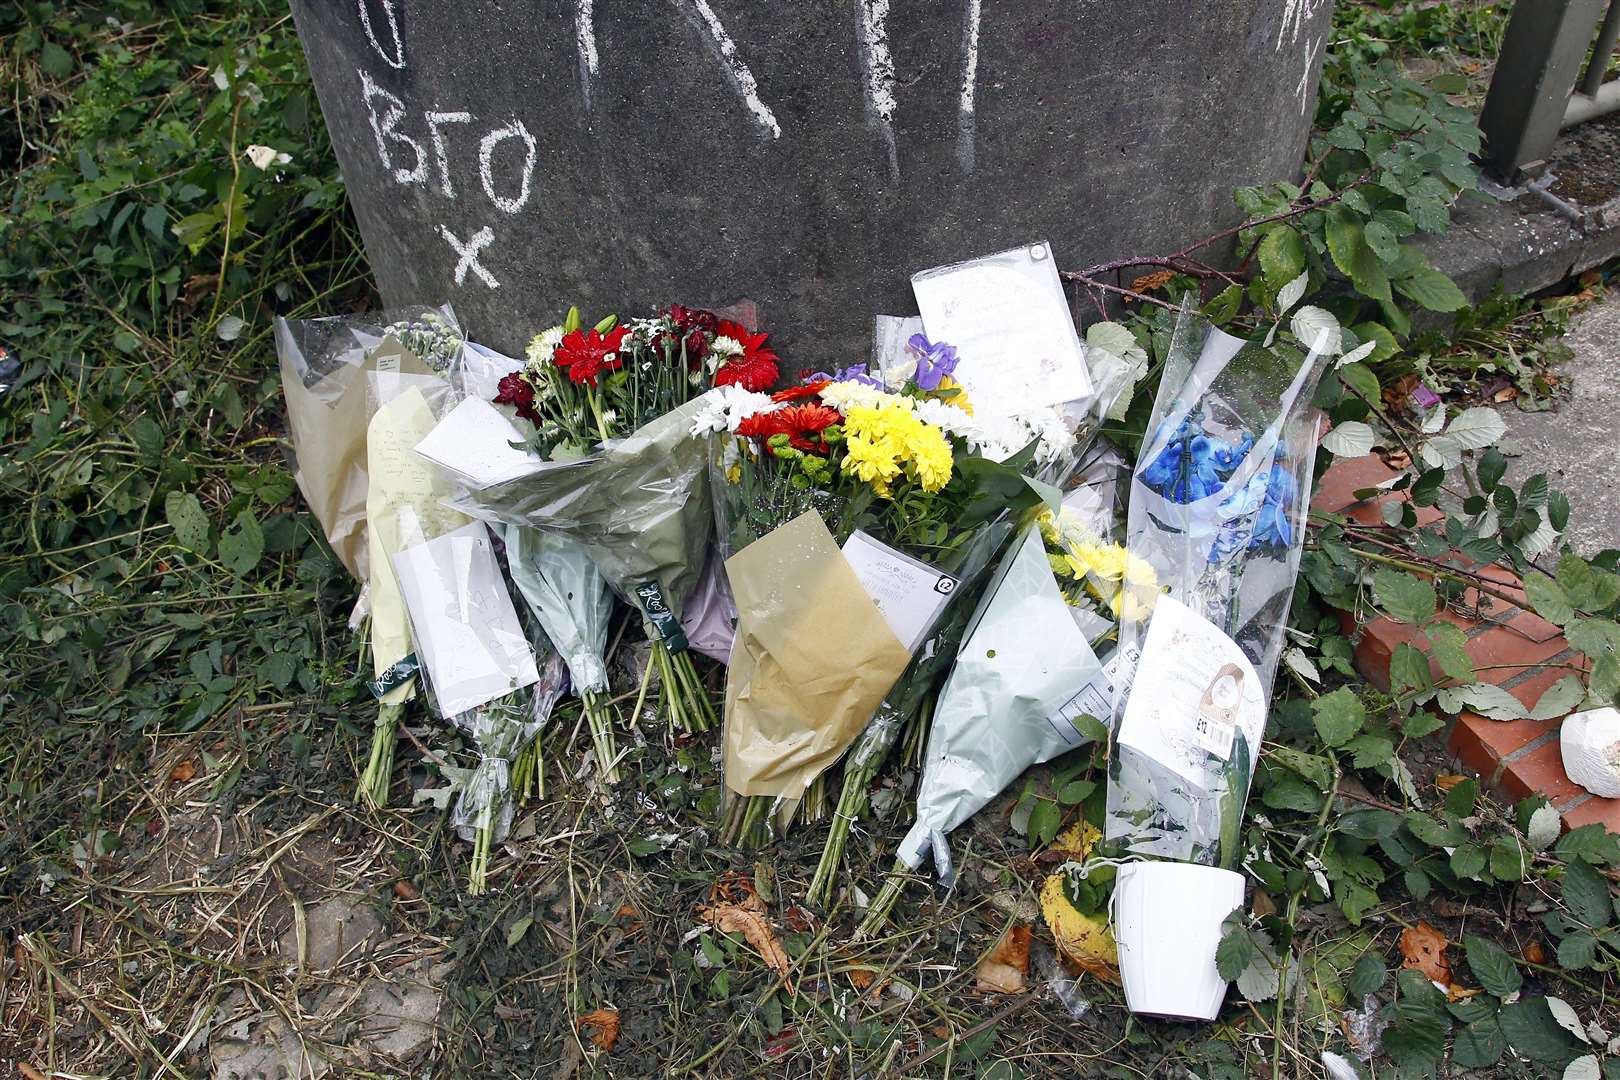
183,726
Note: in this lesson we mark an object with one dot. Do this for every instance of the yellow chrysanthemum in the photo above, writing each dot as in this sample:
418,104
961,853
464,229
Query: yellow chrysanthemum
959,398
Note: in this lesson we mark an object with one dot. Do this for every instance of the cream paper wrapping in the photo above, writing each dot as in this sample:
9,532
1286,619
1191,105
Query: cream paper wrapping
812,659
403,507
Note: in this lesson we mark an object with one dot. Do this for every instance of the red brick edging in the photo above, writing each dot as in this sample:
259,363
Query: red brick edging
1519,757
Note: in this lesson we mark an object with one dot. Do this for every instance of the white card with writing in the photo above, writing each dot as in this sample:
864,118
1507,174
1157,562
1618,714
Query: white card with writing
1009,318
467,634
1196,691
909,593
474,442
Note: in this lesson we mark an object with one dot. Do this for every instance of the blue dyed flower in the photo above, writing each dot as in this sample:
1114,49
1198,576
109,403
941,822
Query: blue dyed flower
935,360
1272,525
1194,465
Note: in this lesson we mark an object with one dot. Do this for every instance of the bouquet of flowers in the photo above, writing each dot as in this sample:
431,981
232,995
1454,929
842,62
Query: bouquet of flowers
840,503
1040,439
1217,509
613,467
480,668
1031,664
358,388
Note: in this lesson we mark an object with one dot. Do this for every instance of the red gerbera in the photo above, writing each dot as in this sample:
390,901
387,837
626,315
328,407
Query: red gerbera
517,391
755,368
804,424
798,393
588,353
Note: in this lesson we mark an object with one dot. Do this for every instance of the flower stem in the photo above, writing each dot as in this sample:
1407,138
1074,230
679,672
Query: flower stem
379,770
883,903
600,718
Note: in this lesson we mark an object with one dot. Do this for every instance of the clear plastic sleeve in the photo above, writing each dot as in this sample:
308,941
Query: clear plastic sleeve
1219,498
323,367
499,730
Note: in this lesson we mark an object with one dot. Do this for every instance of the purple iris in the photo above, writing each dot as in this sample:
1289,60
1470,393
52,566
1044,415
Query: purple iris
853,373
935,360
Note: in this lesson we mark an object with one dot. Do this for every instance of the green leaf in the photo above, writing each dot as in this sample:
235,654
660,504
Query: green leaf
1548,598
56,61
1559,699
1417,1037
1448,644
1532,1030
1461,798
186,518
1480,1044
241,546
1368,751
1223,305
1404,597
1493,702
1338,716
1313,767
1577,951
1282,256
1492,466
1387,345
1507,859
1492,966
1076,791
1591,843
1368,976
519,927
1408,669
1586,895
1434,833
1044,819
1468,861
1433,289
1361,378
1236,950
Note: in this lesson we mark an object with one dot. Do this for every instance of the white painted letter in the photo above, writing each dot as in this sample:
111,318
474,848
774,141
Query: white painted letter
396,61
468,254
435,121
585,42
966,119
486,154
878,66
732,65
384,127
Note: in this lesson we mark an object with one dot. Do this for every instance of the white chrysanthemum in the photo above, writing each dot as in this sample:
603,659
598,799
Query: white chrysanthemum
951,419
544,347
726,347
897,376
844,396
646,328
725,408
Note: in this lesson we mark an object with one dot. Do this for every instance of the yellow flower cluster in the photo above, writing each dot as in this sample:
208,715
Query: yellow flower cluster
1127,583
885,440
953,393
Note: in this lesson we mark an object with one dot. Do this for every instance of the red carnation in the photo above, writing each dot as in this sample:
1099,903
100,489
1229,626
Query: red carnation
798,393
517,391
588,353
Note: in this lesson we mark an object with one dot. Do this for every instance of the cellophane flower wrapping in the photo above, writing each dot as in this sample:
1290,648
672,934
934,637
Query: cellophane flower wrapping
638,506
1218,503
1030,662
480,666
556,577
499,730
324,363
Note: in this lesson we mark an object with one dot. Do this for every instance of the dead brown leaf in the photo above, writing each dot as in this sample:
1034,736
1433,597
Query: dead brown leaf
29,1072
748,919
1507,393
1447,781
603,1025
1263,904
1423,949
1396,459
183,772
1455,993
1535,953
405,890
861,978
1003,971
1148,282
629,919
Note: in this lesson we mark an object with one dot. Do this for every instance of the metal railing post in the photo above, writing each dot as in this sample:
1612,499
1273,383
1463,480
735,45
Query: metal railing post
1541,59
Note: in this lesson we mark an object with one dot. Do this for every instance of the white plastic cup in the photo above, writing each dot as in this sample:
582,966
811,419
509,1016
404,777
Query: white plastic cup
1167,923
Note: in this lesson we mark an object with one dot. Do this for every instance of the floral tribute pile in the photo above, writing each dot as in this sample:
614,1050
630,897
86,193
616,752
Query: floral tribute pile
669,489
